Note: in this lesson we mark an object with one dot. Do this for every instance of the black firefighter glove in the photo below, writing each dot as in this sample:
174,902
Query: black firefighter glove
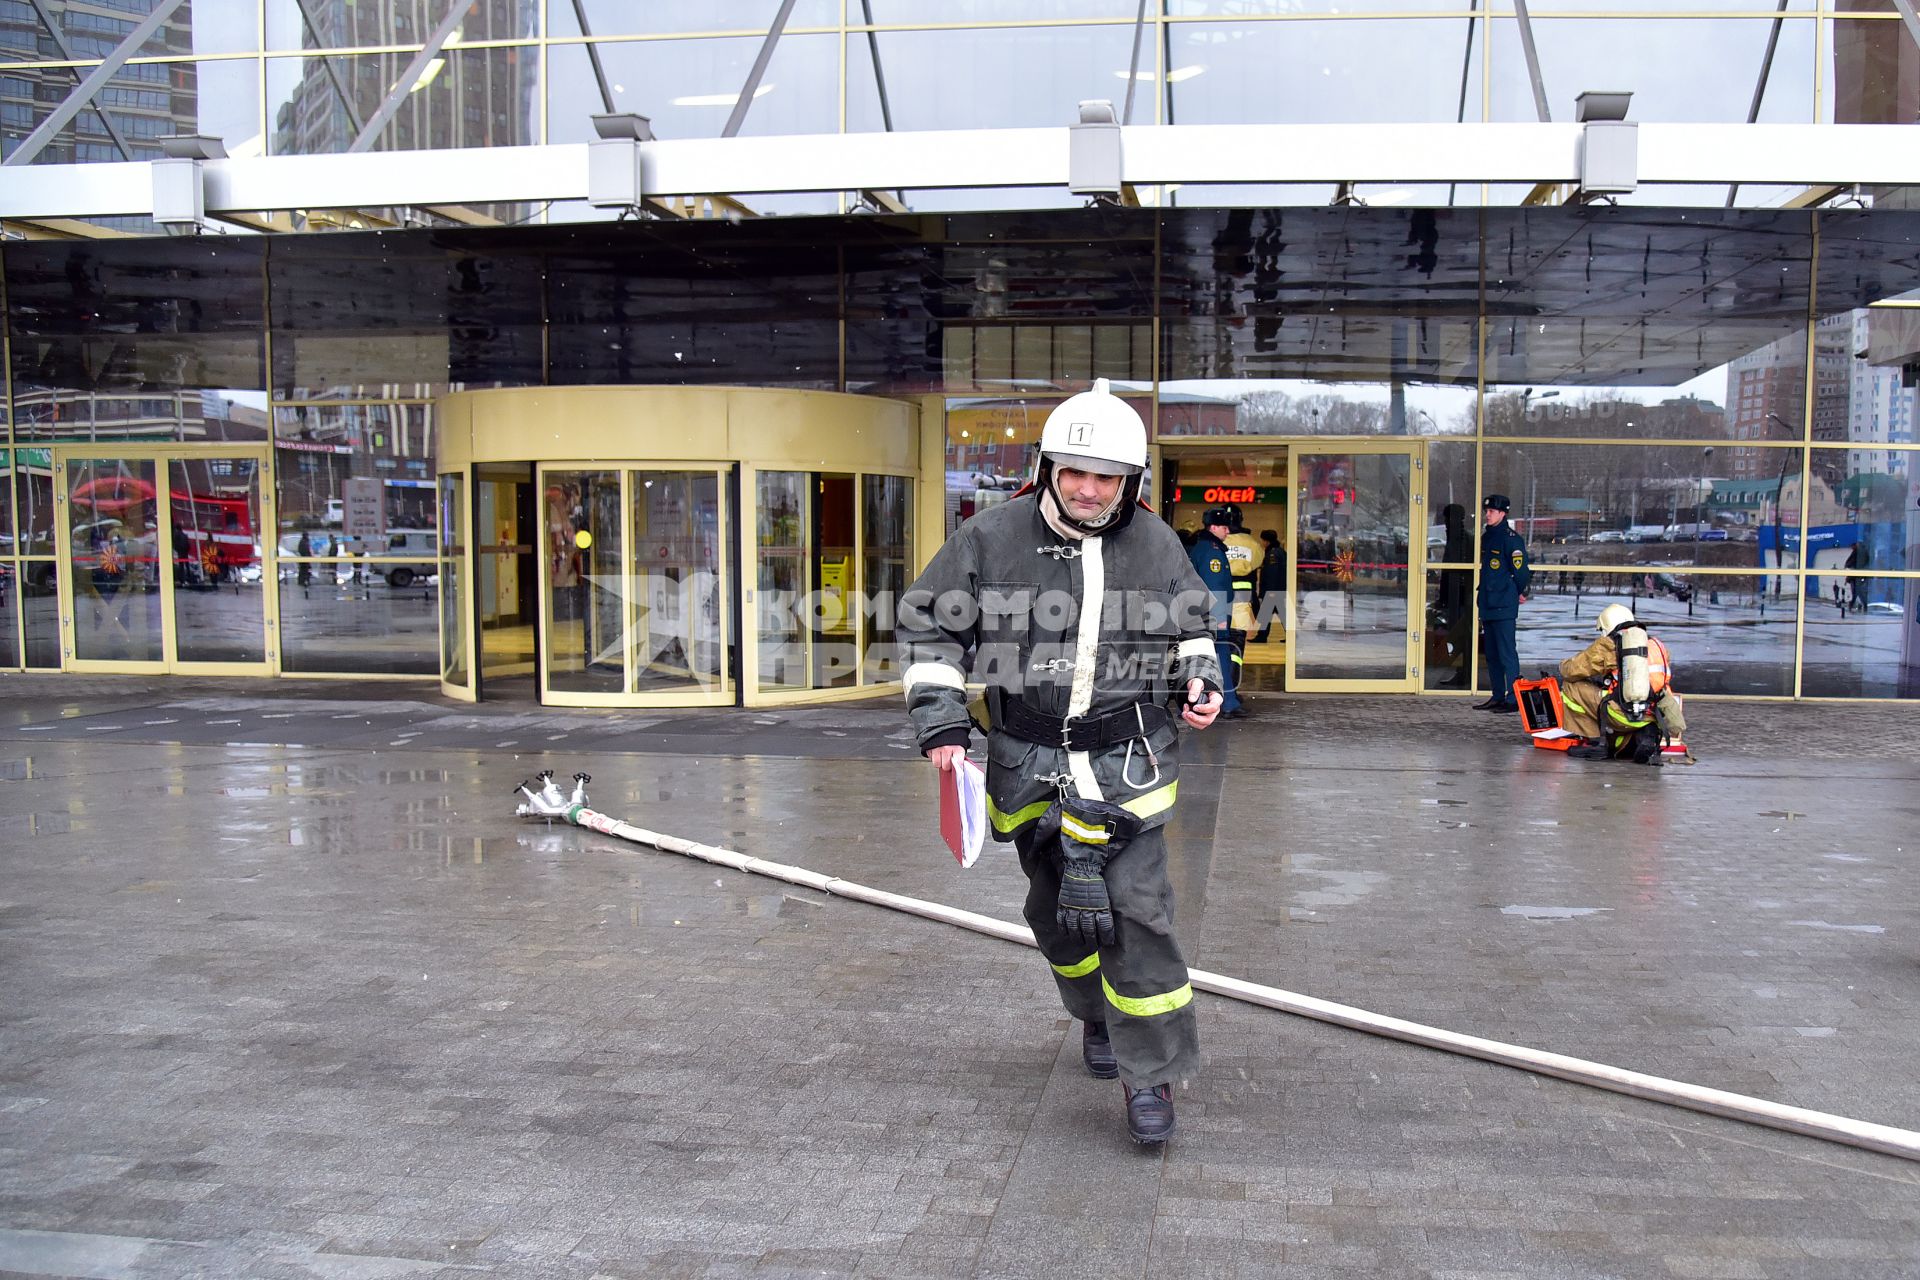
1091,832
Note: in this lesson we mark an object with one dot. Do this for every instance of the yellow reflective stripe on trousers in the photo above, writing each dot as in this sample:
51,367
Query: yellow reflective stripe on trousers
1148,1006
1151,803
1005,822
1080,968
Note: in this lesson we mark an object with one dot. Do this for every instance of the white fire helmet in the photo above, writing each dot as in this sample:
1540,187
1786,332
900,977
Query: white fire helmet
1613,616
1098,432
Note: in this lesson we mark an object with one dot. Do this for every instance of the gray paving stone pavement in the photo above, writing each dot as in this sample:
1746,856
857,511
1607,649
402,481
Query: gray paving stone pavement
327,1010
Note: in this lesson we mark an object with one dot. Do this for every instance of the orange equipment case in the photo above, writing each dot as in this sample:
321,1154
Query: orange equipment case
1543,714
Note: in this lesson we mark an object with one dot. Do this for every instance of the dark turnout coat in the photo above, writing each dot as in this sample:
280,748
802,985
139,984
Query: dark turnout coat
1077,629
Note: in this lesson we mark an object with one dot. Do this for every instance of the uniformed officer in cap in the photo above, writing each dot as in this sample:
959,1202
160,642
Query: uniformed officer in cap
1213,559
1504,578
1078,610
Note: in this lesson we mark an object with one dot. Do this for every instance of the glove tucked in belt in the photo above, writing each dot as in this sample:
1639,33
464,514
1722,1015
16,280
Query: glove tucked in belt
1091,832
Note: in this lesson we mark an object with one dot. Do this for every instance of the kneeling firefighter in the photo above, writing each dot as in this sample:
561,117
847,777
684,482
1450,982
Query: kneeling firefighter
1079,611
1618,692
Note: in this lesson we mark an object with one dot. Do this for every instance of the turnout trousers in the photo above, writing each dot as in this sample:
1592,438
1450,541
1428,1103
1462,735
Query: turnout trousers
1138,986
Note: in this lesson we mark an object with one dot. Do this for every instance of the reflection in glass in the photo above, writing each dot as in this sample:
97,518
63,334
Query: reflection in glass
357,625
40,613
1862,638
130,338
143,102
1448,629
7,466
113,526
1295,300
624,17
1398,71
213,514
453,610
1451,482
1682,70
1726,633
33,501
688,88
463,98
304,24
1654,505
782,549
678,599
1863,509
886,524
835,622
9,613
992,444
1350,574
984,78
586,637
1874,75
375,458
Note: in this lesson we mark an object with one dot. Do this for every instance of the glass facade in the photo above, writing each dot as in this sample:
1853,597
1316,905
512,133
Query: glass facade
300,77
1703,399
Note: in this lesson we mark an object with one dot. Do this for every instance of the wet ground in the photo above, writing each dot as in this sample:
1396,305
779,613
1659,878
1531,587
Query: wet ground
289,993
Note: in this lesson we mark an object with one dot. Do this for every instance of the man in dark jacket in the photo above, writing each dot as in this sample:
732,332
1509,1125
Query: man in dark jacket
1504,578
1212,563
1079,612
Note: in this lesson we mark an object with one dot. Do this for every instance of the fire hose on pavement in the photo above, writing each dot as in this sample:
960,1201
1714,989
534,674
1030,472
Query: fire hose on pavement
544,799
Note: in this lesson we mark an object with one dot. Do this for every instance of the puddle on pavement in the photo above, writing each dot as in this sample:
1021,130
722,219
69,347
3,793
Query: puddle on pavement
1840,928
1552,913
40,824
1343,887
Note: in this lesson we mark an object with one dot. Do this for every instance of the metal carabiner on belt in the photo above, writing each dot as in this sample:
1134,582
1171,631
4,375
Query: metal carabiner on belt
1126,762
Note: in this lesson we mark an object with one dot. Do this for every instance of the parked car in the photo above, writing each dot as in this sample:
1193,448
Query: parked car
1713,535
1674,585
1609,535
422,544
1887,608
1646,533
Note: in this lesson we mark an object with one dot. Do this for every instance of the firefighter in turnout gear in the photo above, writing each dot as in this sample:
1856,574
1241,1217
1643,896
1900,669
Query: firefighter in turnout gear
1618,692
1213,558
1079,611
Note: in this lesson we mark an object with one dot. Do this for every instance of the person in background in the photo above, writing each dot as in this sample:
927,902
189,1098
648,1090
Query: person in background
1504,579
1271,583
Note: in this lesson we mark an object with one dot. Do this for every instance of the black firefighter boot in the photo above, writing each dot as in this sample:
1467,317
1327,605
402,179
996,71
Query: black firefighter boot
1149,1113
1097,1051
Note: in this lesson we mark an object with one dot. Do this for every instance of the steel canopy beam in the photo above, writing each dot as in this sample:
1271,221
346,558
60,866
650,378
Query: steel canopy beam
1784,154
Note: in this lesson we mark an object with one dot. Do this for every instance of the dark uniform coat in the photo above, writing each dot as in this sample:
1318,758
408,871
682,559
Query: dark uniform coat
1504,572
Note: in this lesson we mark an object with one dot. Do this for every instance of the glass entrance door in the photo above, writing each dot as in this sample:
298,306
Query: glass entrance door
164,562
1354,568
113,614
632,581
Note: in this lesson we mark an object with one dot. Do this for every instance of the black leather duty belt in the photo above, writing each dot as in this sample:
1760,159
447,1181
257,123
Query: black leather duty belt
1087,733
